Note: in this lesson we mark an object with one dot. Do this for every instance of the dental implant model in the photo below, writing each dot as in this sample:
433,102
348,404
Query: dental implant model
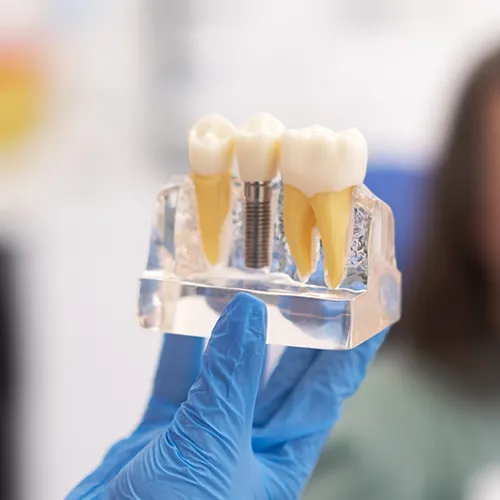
257,152
322,243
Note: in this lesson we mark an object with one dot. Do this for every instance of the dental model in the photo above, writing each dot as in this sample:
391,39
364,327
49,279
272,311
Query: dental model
257,152
211,156
319,169
218,232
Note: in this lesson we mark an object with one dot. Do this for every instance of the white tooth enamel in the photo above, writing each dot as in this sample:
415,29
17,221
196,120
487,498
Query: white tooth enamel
211,145
257,148
317,160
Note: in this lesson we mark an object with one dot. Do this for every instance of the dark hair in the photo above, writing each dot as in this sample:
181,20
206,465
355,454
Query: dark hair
448,306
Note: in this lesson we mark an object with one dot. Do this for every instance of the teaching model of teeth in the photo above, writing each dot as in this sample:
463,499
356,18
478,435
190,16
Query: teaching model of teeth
211,156
319,169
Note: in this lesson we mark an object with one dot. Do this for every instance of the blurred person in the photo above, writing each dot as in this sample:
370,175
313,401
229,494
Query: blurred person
427,421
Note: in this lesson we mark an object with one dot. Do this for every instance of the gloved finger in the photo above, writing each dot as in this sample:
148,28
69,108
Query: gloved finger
315,403
294,462
318,316
292,365
322,319
220,405
178,366
218,299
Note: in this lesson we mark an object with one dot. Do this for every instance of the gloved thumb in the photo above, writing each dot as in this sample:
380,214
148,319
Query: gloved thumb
220,405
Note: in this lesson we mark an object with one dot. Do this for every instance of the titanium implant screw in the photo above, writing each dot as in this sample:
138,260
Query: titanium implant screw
257,211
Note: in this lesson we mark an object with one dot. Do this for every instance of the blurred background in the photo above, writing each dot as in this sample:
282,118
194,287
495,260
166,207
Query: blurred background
96,98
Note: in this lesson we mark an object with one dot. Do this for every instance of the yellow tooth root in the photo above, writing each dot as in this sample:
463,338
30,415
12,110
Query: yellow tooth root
332,212
299,222
213,196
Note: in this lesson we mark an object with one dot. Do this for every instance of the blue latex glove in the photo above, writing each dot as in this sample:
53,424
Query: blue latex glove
209,434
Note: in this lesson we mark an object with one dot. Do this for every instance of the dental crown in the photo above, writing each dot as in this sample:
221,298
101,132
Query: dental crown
316,159
257,148
211,145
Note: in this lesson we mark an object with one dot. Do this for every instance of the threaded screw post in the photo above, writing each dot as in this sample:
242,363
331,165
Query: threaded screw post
257,213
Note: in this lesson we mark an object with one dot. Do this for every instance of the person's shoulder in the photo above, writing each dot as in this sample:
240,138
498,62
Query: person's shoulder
367,450
395,409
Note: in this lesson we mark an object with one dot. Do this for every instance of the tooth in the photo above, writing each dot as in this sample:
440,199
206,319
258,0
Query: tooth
211,155
257,148
319,169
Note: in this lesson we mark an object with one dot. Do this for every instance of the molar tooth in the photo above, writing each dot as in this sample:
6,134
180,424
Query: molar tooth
319,169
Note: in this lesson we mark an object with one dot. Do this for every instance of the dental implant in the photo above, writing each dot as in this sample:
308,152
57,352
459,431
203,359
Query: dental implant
258,224
257,152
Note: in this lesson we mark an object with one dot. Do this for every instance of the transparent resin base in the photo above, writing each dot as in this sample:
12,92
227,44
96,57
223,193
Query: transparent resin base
181,293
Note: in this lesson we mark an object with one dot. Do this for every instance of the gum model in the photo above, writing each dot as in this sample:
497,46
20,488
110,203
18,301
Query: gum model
296,227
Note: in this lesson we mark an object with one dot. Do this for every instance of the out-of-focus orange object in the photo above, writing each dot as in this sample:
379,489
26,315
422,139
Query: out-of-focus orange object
20,92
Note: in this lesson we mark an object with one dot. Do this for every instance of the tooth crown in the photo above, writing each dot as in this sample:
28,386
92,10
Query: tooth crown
211,146
317,160
257,148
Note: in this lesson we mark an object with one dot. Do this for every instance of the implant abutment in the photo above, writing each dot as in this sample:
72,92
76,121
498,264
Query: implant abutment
257,197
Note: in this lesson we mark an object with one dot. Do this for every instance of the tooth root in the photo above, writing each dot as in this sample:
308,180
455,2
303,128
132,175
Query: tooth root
213,196
299,222
332,212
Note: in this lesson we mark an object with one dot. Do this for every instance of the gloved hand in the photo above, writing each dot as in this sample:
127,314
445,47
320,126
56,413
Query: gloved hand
213,435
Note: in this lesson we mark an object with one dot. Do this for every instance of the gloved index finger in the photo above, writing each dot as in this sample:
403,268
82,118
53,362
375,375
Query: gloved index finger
292,365
178,366
223,397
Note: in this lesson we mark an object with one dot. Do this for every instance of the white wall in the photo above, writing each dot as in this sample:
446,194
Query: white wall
385,66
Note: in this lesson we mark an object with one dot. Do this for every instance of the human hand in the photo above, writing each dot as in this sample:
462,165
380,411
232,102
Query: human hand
214,435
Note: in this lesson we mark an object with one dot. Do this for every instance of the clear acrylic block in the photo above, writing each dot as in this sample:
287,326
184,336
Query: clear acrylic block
181,293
